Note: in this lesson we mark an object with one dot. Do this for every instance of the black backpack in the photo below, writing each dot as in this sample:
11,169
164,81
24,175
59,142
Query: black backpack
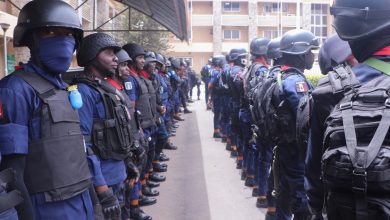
356,144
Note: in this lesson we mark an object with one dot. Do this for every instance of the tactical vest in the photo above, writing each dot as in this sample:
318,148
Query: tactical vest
56,164
155,98
111,137
143,106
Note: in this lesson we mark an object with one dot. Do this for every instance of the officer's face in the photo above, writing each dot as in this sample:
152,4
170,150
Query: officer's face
151,67
309,60
140,62
123,70
108,59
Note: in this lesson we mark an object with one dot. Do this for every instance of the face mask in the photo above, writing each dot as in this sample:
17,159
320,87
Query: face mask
309,60
56,53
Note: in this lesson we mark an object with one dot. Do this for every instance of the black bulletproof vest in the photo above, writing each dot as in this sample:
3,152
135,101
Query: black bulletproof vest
56,163
111,136
153,88
143,106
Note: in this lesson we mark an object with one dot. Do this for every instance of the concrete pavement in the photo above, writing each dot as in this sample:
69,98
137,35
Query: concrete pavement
202,181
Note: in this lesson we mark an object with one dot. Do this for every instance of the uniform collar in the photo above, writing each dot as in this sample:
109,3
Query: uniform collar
114,83
383,52
261,61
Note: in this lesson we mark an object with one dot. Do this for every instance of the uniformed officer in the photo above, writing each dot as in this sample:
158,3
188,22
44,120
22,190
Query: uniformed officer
367,34
257,72
140,90
238,56
206,76
174,72
111,142
40,134
216,92
132,197
295,46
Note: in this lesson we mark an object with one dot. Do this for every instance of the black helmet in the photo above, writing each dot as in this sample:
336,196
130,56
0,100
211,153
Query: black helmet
360,19
46,13
134,50
160,59
227,57
334,51
258,46
218,60
122,56
298,41
92,45
236,54
175,63
273,50
150,57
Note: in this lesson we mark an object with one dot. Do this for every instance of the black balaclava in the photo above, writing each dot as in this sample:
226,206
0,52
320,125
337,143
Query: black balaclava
297,61
363,49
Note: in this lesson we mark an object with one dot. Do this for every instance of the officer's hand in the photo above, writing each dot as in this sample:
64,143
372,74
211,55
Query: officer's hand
132,171
110,204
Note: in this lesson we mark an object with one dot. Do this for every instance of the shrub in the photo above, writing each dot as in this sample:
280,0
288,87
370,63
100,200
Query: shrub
313,78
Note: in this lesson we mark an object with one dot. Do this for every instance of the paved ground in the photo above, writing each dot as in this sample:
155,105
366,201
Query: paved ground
202,182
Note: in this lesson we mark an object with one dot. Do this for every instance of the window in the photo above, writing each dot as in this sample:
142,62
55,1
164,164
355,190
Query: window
231,6
270,34
231,34
274,7
319,21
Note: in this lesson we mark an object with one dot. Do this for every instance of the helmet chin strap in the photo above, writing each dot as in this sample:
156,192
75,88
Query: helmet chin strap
103,70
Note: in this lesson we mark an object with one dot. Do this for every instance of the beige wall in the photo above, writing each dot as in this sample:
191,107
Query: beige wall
243,9
202,8
243,33
202,34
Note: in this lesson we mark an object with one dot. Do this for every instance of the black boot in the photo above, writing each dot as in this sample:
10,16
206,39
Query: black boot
162,157
261,203
255,191
170,146
159,168
144,200
136,213
152,184
156,177
147,191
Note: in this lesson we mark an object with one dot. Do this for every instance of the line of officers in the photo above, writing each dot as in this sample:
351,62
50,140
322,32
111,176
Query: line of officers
274,122
91,150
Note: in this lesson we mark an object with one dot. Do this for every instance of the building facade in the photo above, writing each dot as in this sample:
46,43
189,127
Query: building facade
218,26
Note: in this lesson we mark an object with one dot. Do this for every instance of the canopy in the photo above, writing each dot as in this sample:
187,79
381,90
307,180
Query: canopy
172,14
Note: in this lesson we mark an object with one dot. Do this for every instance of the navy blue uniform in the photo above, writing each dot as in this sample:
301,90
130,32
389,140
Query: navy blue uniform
216,97
19,102
206,77
109,172
292,195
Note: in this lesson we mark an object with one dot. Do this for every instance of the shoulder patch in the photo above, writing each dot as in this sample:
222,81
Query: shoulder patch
128,85
301,87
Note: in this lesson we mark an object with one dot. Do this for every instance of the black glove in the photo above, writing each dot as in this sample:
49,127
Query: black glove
110,204
132,170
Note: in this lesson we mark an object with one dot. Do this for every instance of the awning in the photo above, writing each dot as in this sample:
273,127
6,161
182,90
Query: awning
172,14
